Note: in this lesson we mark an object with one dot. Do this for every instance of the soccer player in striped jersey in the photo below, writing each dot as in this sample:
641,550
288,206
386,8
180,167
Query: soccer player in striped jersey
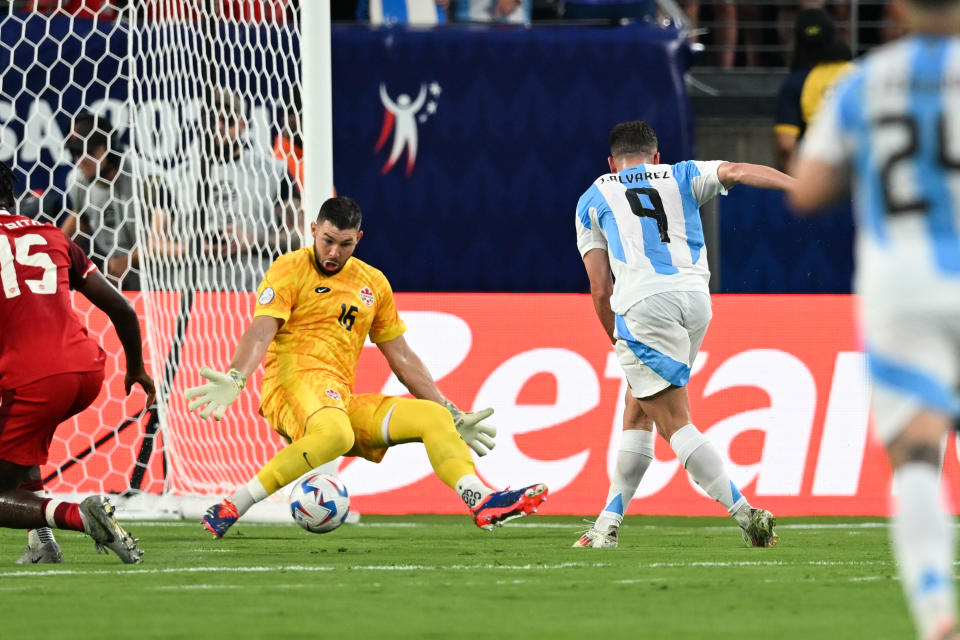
641,239
894,127
315,308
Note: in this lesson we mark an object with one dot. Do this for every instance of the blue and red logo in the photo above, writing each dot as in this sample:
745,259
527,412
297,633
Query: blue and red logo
401,116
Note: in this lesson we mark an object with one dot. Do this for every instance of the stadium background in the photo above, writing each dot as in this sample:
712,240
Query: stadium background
476,236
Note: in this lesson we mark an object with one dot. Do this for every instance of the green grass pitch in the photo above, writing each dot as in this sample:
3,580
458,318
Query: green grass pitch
441,577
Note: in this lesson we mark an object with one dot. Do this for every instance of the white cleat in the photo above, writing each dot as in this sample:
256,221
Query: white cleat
102,526
759,530
594,539
47,553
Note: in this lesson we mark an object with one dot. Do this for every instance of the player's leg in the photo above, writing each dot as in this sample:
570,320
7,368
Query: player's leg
634,455
659,339
383,421
914,402
42,547
922,533
319,431
29,418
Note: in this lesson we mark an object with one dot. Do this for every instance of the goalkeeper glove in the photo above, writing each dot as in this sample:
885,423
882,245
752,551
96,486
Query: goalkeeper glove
217,394
476,434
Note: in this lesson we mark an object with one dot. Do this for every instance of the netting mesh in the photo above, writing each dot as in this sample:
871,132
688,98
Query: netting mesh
164,135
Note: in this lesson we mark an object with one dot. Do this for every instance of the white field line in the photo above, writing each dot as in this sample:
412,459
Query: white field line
456,567
301,568
195,587
539,525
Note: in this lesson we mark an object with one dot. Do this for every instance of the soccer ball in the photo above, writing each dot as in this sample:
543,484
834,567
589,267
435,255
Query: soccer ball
319,502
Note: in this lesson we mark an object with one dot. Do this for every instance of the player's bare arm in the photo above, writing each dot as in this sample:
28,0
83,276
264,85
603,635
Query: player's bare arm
601,287
731,174
410,370
253,344
98,291
818,184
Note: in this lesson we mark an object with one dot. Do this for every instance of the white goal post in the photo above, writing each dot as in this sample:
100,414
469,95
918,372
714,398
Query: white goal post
201,97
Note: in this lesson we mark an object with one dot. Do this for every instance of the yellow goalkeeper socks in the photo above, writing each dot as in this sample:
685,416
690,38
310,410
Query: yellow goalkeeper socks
328,435
432,424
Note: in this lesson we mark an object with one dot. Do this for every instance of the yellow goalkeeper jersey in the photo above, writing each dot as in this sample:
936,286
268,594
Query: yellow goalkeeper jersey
326,319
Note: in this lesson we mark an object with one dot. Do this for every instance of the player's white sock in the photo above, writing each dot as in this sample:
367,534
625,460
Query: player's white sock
923,545
633,459
248,495
472,491
702,461
40,535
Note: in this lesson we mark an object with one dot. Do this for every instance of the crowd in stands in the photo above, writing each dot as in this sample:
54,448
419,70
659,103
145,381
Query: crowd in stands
240,209
735,33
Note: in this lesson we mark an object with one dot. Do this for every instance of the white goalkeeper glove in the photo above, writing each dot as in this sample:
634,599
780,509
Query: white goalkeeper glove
217,394
476,434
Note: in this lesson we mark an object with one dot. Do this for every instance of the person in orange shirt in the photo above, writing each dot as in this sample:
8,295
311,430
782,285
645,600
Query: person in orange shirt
288,145
315,308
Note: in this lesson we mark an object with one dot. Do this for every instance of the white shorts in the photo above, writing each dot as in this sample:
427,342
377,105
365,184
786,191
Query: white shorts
658,339
913,357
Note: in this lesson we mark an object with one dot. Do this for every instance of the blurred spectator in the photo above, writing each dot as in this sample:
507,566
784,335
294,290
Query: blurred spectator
514,11
840,11
609,9
106,183
820,60
724,34
44,206
288,145
244,203
230,10
103,9
420,12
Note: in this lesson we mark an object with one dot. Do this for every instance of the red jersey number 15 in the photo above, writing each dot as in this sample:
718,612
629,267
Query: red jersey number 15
16,251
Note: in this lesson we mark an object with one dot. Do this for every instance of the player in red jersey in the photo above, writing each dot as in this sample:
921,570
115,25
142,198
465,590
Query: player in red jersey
50,370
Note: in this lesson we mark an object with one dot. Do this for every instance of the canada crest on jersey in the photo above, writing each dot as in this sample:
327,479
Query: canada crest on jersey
366,294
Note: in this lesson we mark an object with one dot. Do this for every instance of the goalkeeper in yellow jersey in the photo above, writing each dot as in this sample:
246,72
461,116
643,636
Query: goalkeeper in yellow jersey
315,308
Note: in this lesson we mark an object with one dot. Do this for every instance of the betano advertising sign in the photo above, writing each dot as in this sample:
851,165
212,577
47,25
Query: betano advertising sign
779,386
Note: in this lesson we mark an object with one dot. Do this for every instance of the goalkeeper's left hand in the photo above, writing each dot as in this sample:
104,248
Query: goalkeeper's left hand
471,428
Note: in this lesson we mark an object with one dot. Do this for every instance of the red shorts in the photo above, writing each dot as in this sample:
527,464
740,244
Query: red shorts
31,413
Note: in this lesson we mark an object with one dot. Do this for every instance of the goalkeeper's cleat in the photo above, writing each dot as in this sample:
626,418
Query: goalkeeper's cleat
503,506
44,553
597,539
759,530
102,526
220,517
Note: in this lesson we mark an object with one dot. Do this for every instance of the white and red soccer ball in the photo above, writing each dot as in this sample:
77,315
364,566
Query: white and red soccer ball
319,502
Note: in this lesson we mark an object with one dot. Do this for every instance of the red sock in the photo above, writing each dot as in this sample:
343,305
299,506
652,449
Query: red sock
63,515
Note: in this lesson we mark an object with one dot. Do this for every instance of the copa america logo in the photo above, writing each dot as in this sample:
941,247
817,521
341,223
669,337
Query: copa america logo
401,117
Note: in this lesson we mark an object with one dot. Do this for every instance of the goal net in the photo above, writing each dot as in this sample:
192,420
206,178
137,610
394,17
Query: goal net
197,193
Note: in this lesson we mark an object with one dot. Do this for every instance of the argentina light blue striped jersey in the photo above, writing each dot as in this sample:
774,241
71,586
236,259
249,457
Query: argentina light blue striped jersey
647,219
895,123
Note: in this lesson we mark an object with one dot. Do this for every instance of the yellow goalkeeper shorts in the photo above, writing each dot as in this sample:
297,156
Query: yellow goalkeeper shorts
288,406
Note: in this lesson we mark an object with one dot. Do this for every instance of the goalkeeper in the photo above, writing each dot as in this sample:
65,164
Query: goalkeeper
315,308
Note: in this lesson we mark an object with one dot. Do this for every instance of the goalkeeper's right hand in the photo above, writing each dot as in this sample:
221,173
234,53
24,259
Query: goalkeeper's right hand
217,394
